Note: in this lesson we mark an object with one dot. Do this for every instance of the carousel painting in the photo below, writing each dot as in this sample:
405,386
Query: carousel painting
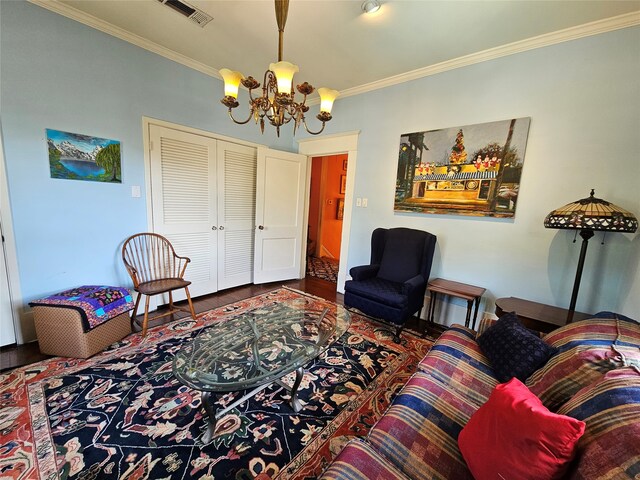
470,170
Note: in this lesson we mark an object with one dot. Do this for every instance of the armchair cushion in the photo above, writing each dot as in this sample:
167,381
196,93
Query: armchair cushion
379,290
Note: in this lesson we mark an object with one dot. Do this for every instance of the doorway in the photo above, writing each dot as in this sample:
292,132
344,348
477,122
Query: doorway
326,215
8,264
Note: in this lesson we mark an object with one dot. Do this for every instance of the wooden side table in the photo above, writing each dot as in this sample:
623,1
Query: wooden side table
470,293
537,316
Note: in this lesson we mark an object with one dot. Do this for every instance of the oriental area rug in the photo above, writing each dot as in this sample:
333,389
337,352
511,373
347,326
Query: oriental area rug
323,267
122,414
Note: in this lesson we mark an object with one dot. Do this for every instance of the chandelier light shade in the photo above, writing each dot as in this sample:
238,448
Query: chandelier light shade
327,96
284,72
277,104
231,82
588,215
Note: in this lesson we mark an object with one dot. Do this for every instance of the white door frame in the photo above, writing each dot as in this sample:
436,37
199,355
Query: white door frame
331,145
11,263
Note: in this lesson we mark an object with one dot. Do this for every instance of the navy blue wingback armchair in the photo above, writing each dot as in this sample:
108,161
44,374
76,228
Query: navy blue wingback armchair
392,287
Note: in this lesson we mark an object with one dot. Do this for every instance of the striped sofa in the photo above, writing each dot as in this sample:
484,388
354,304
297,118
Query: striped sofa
595,377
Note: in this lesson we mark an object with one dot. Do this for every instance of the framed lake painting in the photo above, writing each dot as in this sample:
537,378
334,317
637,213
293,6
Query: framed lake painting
468,170
83,157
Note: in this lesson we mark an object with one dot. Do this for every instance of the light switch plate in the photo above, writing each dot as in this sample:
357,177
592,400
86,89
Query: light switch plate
135,191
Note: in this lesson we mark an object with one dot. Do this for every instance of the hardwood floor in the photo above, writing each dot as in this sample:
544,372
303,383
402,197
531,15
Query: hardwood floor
20,355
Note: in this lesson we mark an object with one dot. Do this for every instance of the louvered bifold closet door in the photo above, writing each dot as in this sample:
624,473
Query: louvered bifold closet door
184,201
236,213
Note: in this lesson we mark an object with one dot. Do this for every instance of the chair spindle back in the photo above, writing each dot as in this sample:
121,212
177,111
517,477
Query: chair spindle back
149,256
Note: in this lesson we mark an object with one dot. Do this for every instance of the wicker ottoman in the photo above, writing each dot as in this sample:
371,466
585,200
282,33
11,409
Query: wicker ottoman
60,332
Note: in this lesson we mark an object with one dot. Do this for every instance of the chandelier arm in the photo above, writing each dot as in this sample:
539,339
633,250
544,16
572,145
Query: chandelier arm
294,108
269,83
273,119
241,122
270,113
251,97
304,122
288,113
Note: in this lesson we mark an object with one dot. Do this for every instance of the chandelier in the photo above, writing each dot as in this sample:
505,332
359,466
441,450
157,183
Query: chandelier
277,103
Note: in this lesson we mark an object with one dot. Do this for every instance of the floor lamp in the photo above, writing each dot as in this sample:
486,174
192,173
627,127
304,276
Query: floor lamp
589,215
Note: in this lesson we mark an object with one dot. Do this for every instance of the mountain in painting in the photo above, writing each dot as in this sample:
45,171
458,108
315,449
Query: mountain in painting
69,151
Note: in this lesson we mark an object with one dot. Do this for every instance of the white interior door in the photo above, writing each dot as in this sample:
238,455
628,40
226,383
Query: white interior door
236,213
183,184
7,325
7,329
280,190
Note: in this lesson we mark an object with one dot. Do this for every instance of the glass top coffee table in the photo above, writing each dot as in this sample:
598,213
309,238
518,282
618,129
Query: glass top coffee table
256,349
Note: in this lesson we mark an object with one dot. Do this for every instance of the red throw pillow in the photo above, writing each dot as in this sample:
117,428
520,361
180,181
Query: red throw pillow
514,436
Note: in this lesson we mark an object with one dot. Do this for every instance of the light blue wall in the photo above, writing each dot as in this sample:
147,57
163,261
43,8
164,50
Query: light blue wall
57,73
583,98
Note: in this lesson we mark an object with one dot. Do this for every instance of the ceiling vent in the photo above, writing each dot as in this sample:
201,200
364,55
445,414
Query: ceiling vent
192,13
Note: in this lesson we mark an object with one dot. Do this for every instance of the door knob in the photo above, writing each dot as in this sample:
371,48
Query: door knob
260,227
221,227
214,228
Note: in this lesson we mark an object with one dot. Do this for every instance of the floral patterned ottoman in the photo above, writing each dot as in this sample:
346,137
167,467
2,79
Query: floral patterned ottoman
82,321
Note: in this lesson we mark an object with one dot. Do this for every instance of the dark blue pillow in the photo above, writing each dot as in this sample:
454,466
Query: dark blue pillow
613,316
514,351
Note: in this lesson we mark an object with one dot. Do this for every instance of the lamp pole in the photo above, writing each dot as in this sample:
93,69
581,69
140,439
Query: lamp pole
586,234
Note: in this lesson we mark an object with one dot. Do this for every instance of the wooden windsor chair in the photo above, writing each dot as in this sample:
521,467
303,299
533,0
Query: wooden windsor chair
155,268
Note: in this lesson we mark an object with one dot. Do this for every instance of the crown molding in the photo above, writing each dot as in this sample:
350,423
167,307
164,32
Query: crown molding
593,28
573,33
110,29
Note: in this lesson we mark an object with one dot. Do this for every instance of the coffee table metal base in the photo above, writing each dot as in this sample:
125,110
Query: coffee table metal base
213,413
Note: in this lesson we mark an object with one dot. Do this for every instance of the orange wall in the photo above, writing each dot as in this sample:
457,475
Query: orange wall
331,226
314,203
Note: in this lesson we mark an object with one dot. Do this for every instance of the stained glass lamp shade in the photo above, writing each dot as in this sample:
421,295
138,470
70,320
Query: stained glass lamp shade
588,215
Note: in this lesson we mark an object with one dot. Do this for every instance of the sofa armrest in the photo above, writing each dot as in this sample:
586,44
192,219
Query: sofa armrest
364,271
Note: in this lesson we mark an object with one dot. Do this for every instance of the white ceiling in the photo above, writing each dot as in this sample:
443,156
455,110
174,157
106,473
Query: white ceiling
333,42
